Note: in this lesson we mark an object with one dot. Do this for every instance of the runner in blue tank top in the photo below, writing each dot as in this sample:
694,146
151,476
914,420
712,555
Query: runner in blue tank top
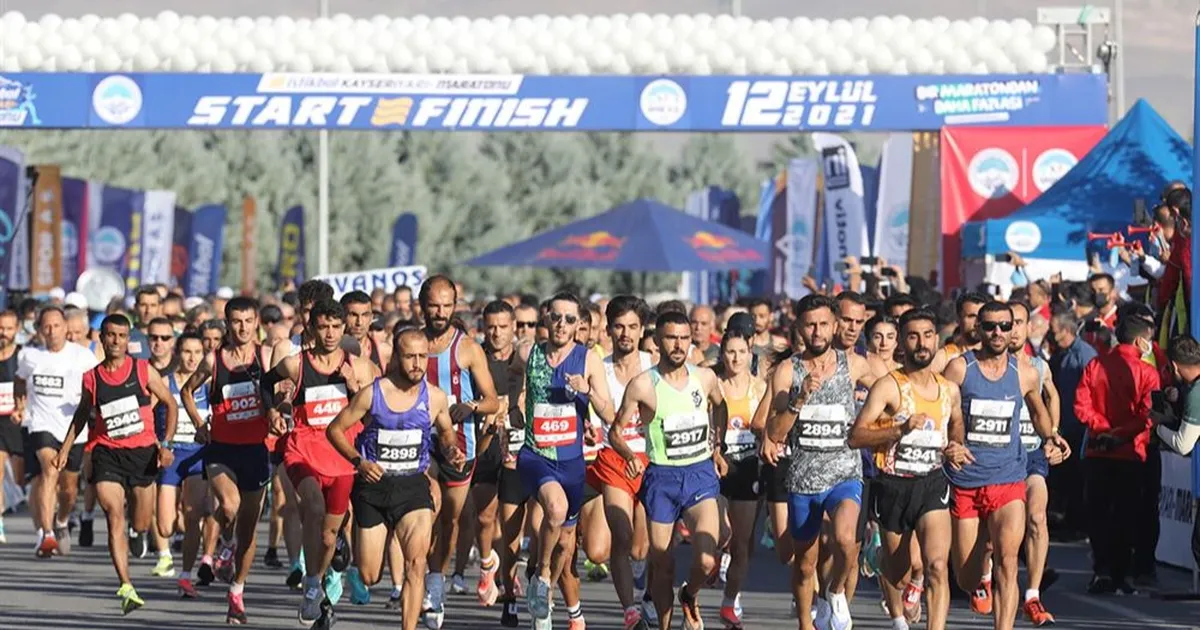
986,465
561,379
391,454
458,366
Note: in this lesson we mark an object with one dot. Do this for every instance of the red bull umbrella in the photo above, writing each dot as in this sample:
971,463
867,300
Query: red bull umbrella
642,235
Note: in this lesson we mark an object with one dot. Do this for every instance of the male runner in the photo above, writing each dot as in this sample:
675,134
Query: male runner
235,459
47,390
147,303
391,493
187,469
324,377
458,365
626,516
12,439
965,336
358,325
812,408
989,490
161,343
126,455
906,422
682,481
562,378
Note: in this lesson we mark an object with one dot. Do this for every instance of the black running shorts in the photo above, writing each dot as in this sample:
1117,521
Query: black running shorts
743,481
900,502
510,490
773,481
130,467
39,440
386,501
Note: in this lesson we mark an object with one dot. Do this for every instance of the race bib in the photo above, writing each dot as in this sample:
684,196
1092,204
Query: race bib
739,443
1029,437
323,402
635,436
122,418
686,435
49,385
398,452
822,427
516,440
243,400
8,401
185,431
554,425
919,452
989,422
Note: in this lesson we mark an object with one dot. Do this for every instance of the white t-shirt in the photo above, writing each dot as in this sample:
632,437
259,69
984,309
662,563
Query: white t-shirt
53,385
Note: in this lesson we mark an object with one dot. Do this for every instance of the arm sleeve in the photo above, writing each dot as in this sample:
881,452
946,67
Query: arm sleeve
1181,441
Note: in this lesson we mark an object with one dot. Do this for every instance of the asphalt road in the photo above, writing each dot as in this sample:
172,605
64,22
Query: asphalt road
79,592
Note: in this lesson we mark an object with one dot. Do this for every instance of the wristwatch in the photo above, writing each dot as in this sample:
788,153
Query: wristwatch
356,462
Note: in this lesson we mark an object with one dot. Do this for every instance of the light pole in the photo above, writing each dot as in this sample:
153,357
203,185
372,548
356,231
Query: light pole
323,185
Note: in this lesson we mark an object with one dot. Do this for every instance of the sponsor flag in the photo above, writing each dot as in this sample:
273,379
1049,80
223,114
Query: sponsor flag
46,265
75,198
793,251
249,250
895,193
718,205
158,235
291,248
204,254
12,203
367,281
989,172
770,194
181,240
404,241
925,211
108,243
845,211
870,175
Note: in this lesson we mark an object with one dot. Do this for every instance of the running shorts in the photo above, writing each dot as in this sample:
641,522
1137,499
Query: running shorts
982,502
248,463
864,512
807,511
275,448
743,482
773,481
1036,463
489,463
609,470
130,467
537,471
12,438
386,501
39,440
447,475
510,490
189,462
335,490
900,502
668,491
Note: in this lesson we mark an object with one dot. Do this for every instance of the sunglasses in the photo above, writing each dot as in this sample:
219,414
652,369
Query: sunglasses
992,326
161,337
559,317
526,324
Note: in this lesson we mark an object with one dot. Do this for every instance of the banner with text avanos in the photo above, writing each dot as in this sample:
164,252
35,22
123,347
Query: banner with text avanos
544,103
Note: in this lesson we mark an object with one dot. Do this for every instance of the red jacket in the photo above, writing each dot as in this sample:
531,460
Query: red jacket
1114,397
1179,269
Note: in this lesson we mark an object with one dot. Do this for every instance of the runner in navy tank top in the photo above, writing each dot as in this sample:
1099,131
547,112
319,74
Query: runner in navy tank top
358,325
986,462
391,494
458,365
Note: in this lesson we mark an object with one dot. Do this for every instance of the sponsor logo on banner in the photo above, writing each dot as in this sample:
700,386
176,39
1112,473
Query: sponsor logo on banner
1022,237
663,102
594,246
46,266
367,281
720,249
993,173
117,100
17,105
367,83
107,245
897,228
976,102
800,104
70,241
1050,166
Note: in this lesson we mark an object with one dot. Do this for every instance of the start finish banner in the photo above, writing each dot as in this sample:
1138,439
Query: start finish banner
541,103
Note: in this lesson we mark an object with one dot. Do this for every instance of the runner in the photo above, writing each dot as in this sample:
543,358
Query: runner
187,469
126,455
906,422
47,389
551,463
458,365
989,489
324,378
12,439
683,412
966,337
1039,458
391,494
740,488
624,513
161,342
236,458
359,318
812,408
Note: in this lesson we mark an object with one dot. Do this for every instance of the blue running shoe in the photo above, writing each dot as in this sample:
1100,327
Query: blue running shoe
360,595
333,586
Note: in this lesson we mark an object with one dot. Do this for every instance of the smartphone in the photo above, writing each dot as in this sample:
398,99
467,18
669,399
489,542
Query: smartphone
868,260
888,271
1158,401
1005,257
840,266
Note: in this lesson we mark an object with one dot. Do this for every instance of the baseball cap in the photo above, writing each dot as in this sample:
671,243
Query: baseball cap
76,299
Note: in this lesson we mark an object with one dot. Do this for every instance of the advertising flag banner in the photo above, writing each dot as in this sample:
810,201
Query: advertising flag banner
845,211
181,241
987,173
367,281
108,244
75,200
46,264
204,254
291,248
12,204
895,194
404,240
158,235
718,205
795,249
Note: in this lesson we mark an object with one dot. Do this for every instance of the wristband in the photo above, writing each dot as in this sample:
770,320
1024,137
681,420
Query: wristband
166,444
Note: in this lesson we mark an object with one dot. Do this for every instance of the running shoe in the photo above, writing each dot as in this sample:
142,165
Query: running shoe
86,533
63,534
691,610
435,612
327,618
205,575
3,538
869,558
310,606
295,578
164,568
639,574
360,595
731,616
47,547
1124,587
486,589
129,599
224,563
723,572
822,613
271,559
334,586
1037,614
538,598
595,572
458,585
394,601
649,612
186,589
1101,585
633,619
236,614
912,603
473,556
981,599
341,554
508,614
139,544
576,623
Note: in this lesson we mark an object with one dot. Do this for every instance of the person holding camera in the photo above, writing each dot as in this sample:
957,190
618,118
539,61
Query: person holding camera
1113,404
1180,431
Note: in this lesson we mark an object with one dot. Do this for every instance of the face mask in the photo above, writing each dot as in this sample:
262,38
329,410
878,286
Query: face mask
1101,300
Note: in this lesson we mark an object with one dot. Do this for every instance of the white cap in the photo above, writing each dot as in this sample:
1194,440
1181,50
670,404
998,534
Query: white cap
192,302
57,293
225,293
77,300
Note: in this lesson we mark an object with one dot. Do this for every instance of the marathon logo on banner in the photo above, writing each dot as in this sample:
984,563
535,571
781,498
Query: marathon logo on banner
802,104
368,281
978,101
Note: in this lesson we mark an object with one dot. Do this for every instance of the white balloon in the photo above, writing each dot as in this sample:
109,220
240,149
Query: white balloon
882,60
70,59
801,59
185,61
940,23
302,63
51,43
90,21
763,31
978,24
1035,62
402,27
1044,39
642,23
921,61
71,30
342,20
207,24
863,45
860,24
110,61
802,28
127,48
922,30
10,64
841,30
823,45
999,31
701,66
841,61
600,57
959,64
50,22
703,38
224,63
91,47
13,18
383,41
323,56
1021,26
881,28
400,58
764,61
145,59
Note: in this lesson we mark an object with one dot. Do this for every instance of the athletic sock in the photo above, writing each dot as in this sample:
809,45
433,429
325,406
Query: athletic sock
185,575
87,515
164,553
918,582
236,589
576,611
986,578
206,559
1032,593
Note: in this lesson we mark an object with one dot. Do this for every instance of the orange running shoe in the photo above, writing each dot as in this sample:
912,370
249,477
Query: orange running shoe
981,599
48,547
1036,613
